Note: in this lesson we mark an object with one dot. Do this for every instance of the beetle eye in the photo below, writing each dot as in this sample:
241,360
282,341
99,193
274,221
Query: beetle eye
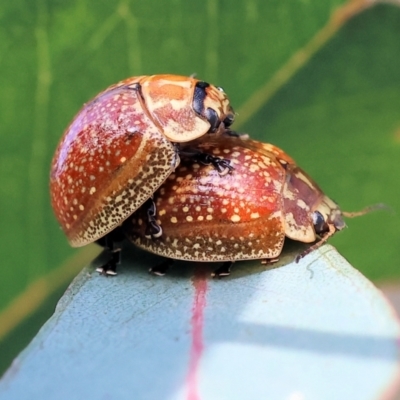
199,96
320,225
229,120
212,118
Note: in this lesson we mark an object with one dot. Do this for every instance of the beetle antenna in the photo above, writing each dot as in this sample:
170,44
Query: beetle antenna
367,210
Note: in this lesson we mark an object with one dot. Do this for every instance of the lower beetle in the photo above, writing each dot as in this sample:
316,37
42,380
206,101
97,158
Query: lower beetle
199,215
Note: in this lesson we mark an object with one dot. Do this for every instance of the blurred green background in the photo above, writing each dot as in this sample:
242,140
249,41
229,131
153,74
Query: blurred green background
319,78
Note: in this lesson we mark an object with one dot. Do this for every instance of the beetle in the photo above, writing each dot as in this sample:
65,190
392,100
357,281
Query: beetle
244,215
123,144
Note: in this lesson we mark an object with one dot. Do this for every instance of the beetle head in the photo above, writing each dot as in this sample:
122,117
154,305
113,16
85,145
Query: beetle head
185,108
211,103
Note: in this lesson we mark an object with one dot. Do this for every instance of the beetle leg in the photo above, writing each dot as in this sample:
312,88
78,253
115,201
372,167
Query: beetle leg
315,246
223,270
153,229
235,134
162,268
108,242
269,261
222,165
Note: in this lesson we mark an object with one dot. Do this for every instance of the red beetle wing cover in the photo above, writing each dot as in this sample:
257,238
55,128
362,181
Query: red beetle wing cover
110,160
208,217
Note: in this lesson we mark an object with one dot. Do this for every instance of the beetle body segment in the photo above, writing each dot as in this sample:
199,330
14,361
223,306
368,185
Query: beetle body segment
243,215
118,151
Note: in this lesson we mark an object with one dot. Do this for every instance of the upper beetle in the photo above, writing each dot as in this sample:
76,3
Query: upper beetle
201,216
120,148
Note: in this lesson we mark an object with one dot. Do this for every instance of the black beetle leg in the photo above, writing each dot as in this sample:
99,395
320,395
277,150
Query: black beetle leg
222,165
153,229
162,268
235,134
223,270
109,242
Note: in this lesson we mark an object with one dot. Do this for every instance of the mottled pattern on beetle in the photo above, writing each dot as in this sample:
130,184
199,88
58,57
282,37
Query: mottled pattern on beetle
103,148
171,105
119,204
202,212
301,197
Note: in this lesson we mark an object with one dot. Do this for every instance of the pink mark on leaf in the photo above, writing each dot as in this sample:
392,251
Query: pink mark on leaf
197,322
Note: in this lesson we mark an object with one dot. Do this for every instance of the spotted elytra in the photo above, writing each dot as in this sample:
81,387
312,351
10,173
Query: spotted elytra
121,146
198,215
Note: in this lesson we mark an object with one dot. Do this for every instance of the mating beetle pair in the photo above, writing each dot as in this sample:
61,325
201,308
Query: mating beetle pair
122,146
229,199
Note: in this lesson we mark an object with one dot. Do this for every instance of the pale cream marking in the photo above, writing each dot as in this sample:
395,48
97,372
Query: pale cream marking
235,218
174,220
302,204
301,176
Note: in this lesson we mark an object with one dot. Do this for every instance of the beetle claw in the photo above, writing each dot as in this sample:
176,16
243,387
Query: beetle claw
223,271
153,229
269,261
162,268
107,270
